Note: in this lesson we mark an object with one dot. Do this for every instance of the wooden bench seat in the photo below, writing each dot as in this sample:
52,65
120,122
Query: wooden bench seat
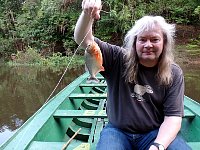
80,114
100,77
96,114
93,85
88,96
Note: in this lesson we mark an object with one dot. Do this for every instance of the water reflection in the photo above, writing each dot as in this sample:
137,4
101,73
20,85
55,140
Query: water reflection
23,90
192,82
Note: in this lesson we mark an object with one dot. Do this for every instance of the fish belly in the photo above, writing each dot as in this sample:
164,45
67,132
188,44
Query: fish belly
92,65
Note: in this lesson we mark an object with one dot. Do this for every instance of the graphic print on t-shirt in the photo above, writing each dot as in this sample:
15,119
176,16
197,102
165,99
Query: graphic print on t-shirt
140,90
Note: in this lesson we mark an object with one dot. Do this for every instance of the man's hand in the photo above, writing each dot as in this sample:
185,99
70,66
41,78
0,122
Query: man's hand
92,8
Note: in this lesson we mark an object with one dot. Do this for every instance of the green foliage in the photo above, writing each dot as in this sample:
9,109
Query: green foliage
8,11
6,48
32,57
117,18
122,14
40,24
179,11
193,46
47,25
197,12
58,61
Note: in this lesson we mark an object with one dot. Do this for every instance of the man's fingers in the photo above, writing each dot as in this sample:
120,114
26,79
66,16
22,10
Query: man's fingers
97,15
96,9
92,7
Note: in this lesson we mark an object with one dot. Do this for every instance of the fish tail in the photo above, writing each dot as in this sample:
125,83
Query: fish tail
92,80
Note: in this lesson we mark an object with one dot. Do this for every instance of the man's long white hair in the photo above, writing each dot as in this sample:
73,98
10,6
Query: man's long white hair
147,23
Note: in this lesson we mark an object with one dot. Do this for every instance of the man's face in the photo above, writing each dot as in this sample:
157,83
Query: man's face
149,46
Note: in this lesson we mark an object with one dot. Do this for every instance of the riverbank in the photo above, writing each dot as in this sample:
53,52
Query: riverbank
187,56
32,58
187,50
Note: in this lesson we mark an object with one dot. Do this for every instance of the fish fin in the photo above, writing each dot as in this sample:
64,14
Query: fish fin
102,68
92,80
86,68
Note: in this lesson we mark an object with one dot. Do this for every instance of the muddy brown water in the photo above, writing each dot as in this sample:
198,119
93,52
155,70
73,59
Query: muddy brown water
23,90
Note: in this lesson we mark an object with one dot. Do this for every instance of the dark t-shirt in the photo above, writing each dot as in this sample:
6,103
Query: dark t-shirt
141,107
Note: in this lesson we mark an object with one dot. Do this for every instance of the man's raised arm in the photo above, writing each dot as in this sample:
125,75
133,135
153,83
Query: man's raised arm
83,29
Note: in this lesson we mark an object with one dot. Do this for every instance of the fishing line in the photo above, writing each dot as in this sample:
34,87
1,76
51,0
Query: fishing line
58,81
73,56
67,67
70,60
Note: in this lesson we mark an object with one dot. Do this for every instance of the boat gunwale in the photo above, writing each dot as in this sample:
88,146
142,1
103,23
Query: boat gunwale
192,105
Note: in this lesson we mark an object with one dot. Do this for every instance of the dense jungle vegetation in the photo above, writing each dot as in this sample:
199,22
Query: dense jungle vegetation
36,30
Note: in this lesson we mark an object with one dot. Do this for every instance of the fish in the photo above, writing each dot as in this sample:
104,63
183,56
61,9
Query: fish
93,61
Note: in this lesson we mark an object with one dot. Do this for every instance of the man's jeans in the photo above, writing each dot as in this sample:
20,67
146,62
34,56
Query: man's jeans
112,138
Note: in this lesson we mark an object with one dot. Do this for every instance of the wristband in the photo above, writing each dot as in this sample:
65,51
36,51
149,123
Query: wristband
159,146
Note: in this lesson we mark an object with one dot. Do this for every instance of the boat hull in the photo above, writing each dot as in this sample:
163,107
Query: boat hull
82,105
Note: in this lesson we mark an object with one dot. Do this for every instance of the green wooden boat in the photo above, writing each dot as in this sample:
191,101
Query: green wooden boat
81,106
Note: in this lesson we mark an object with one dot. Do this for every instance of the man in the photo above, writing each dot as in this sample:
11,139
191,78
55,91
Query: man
145,86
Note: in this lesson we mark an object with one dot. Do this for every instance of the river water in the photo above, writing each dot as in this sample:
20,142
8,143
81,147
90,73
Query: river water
23,90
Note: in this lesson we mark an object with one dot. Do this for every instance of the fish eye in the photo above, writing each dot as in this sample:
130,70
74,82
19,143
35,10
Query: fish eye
89,45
